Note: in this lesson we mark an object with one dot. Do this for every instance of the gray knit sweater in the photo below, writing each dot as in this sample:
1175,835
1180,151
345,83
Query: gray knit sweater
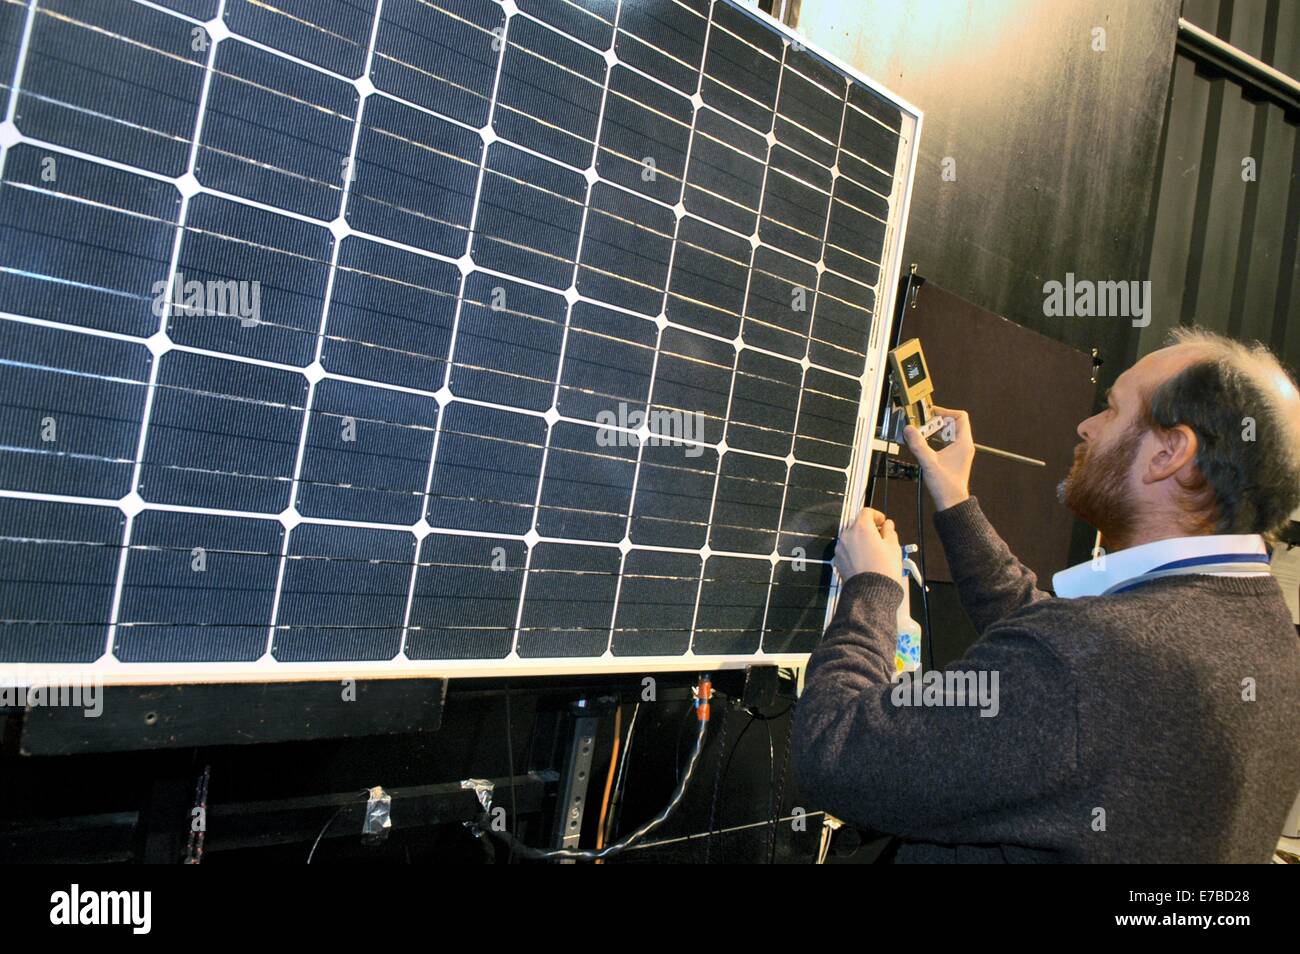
1121,733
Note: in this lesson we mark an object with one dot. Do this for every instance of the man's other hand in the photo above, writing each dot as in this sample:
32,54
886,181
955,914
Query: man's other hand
947,471
869,545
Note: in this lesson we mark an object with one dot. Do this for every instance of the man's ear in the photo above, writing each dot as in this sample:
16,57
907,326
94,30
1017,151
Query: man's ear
1176,449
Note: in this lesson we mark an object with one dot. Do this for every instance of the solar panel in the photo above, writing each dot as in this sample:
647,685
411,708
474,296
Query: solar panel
408,337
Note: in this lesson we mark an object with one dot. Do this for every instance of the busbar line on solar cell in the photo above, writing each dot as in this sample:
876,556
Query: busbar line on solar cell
713,503
401,388
244,399
456,318
799,409
381,239
591,13
307,23
664,172
268,89
625,542
120,576
278,591
555,396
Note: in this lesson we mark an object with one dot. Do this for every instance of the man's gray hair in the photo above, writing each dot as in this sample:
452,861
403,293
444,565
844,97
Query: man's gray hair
1245,411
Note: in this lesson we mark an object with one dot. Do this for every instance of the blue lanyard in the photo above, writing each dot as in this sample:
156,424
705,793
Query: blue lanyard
1218,564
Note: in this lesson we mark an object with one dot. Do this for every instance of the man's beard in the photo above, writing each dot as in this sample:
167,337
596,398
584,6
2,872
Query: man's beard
1096,488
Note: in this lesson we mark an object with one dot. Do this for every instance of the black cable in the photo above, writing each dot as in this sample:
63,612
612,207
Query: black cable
681,731
876,477
510,766
920,554
771,771
884,502
333,818
616,797
754,713
587,854
721,782
717,784
780,795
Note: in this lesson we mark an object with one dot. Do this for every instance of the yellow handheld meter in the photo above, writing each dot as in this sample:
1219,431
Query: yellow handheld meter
912,388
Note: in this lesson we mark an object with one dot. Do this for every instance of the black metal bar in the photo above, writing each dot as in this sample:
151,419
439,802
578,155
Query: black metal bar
292,820
176,716
575,779
1256,75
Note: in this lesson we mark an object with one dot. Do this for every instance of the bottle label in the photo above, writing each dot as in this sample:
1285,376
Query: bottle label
907,657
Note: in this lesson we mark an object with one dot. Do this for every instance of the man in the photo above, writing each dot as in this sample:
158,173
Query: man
1150,711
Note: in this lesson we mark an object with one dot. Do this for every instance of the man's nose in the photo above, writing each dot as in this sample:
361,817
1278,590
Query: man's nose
1084,429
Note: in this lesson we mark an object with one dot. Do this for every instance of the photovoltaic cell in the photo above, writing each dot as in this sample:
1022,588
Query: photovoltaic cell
391,316
608,362
529,217
661,39
52,272
733,596
442,58
60,560
568,600
83,394
747,504
366,453
674,495
400,331
796,609
222,569
548,93
228,242
276,132
466,597
645,135
486,471
707,290
587,485
116,81
626,250
656,604
344,593
414,177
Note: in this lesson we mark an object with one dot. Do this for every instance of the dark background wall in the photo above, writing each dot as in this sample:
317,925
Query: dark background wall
1055,144
1224,250
1059,168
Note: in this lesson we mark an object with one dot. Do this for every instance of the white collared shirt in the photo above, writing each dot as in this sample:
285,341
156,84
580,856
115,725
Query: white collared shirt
1226,554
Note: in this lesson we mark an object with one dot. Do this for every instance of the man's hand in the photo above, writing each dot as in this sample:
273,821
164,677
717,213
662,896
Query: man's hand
947,472
870,545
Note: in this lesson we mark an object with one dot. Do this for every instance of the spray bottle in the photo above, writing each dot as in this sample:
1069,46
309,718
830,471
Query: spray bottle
907,656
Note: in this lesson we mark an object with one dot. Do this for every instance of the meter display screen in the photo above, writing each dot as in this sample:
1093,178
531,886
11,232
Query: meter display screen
913,369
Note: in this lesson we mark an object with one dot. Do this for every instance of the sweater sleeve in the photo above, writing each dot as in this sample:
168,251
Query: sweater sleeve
991,583
867,752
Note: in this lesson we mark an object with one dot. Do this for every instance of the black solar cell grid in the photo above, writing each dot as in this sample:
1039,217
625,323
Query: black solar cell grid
409,330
